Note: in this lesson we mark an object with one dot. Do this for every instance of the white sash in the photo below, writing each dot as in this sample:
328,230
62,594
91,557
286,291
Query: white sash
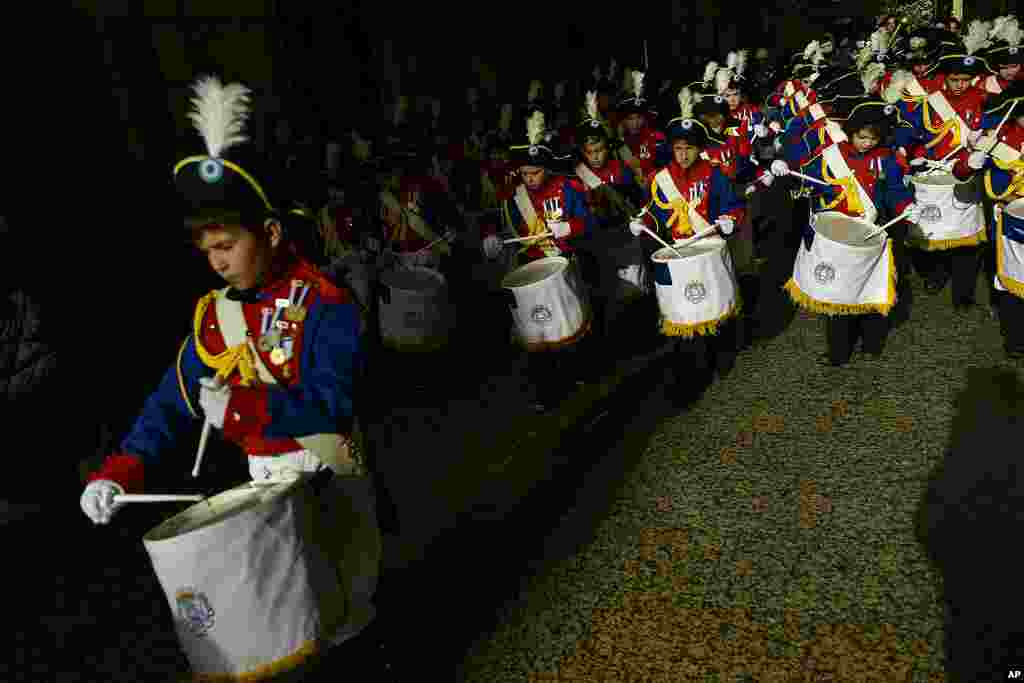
331,449
672,194
414,220
529,214
834,158
589,178
625,154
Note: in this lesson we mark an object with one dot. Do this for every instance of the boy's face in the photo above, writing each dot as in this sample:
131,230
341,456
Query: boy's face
237,255
685,153
1009,71
596,154
864,140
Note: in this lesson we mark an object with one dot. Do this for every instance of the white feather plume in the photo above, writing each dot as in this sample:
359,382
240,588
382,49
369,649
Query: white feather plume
730,61
1008,31
818,56
591,104
401,107
613,70
219,114
870,77
811,48
722,78
559,91
435,108
709,72
535,128
893,92
917,42
627,81
535,89
977,36
597,74
879,41
686,103
741,62
505,121
638,84
865,55
826,47
997,27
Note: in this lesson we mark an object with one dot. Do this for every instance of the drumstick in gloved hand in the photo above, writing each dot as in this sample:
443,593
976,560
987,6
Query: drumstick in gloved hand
655,236
156,498
690,240
529,237
807,177
202,447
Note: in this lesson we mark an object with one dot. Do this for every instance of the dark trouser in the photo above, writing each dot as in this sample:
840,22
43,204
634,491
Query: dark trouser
777,231
842,332
702,354
961,263
1011,319
552,373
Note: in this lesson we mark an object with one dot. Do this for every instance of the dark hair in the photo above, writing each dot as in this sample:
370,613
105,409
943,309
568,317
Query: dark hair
248,221
879,130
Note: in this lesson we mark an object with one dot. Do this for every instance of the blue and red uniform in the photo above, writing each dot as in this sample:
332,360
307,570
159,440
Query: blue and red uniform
705,188
567,194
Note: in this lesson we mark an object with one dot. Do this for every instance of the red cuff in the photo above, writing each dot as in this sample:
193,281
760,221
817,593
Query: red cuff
125,469
737,215
248,413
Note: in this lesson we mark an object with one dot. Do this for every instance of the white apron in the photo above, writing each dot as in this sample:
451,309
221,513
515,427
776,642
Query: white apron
1010,248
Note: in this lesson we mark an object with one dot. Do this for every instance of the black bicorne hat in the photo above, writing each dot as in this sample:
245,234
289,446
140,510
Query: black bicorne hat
693,131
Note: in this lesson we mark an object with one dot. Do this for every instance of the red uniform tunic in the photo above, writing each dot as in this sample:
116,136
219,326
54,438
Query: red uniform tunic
414,195
696,184
569,195
969,106
643,147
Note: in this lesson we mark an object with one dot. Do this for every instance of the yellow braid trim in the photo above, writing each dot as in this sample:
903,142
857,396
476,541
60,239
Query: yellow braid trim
943,245
942,131
239,358
1013,286
181,380
264,672
1016,186
813,305
849,192
680,215
706,328
539,226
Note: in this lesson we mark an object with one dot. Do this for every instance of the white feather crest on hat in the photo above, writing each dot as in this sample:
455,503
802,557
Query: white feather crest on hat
638,84
818,56
722,78
893,92
730,61
219,113
870,77
865,55
401,107
559,92
591,105
879,41
709,72
686,102
535,89
627,81
826,47
1008,31
811,48
505,122
997,27
596,73
741,62
977,36
917,42
535,128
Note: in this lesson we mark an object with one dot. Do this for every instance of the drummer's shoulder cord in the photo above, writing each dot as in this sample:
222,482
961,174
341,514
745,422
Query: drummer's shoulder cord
181,379
1015,186
940,132
226,362
680,211
849,191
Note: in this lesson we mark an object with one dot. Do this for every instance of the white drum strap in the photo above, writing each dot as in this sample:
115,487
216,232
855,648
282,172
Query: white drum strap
534,224
668,187
333,449
946,112
834,158
992,85
589,178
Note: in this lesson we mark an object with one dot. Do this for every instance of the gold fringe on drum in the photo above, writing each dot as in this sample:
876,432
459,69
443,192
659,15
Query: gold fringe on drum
807,303
265,672
942,245
706,328
562,343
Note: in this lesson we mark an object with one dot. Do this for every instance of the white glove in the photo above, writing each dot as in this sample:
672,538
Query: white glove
913,213
214,397
492,246
973,136
561,229
767,179
760,130
780,167
637,227
98,500
726,224
775,126
976,160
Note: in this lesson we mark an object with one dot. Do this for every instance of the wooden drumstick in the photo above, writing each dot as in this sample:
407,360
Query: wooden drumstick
654,235
156,498
690,240
529,237
891,223
807,177
999,127
202,447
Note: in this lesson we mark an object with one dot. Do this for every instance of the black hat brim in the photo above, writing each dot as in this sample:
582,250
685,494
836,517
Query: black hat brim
231,196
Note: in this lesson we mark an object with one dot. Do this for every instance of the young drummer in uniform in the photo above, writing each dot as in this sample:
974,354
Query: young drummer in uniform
272,362
1005,56
691,190
544,202
643,143
876,178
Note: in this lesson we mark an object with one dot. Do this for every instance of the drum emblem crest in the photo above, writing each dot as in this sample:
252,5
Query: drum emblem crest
194,610
541,315
824,273
931,213
695,292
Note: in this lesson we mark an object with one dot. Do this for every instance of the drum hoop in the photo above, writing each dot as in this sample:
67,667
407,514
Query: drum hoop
436,276
664,250
924,180
1015,209
536,265
871,245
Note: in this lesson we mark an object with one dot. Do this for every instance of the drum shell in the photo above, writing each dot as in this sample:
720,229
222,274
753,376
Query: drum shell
249,590
695,292
952,214
414,319
1010,249
547,303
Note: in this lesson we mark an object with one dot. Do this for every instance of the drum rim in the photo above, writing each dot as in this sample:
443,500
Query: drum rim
872,244
255,491
436,275
717,248
563,262
922,180
1019,206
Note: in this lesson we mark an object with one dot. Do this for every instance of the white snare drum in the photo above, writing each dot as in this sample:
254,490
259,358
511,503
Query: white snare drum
244,581
549,307
697,291
415,314
946,221
841,273
1010,248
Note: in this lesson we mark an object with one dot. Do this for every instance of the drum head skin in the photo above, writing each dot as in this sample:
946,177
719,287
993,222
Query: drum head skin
535,272
416,279
698,248
218,508
934,179
1016,208
845,230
